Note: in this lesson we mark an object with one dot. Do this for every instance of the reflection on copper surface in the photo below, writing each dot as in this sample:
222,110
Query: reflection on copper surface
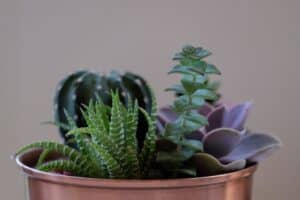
50,186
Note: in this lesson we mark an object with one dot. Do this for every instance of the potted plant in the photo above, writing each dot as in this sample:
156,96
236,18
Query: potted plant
118,146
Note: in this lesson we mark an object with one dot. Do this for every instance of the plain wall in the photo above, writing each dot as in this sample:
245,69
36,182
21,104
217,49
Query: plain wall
255,43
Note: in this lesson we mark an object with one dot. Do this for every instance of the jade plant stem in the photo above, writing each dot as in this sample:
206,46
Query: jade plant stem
194,90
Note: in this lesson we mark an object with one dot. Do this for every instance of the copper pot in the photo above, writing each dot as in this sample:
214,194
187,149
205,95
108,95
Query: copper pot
50,186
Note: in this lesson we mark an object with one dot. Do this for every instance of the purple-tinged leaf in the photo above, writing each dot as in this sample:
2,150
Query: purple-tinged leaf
220,142
208,165
263,153
215,118
166,115
205,109
236,117
254,147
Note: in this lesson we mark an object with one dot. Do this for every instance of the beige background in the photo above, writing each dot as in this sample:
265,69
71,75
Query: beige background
256,44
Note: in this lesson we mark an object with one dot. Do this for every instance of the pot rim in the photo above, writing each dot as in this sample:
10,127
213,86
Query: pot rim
130,183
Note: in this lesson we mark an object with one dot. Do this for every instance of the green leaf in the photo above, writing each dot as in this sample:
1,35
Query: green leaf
197,102
191,83
147,153
64,165
112,165
197,118
181,103
116,127
183,70
189,70
43,157
212,69
195,145
202,53
172,129
205,93
214,85
176,88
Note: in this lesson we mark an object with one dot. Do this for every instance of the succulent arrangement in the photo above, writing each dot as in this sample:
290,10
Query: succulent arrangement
111,129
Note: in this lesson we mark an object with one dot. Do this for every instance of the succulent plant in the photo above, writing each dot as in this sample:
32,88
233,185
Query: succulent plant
107,147
82,86
227,144
175,150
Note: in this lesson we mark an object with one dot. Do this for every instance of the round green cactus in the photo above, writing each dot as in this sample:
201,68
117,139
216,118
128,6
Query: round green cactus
78,88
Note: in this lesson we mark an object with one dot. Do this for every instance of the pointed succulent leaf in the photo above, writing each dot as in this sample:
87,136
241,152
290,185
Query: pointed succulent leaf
112,165
64,150
139,90
43,156
65,165
148,150
253,145
116,127
237,116
215,118
220,142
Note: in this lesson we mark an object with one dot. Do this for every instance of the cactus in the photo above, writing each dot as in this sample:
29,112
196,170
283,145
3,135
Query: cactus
82,86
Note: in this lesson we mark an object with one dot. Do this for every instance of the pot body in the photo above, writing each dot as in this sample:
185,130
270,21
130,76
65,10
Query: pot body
50,186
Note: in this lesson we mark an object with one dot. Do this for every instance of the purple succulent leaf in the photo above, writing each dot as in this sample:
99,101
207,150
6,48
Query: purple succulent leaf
166,115
221,141
215,118
254,147
263,153
236,117
205,109
208,165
